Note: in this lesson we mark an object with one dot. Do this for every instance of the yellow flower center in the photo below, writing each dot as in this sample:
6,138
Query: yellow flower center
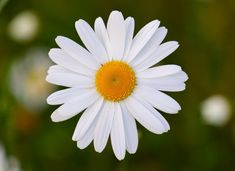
115,80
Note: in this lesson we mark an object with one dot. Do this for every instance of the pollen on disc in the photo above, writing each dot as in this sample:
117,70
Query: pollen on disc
115,80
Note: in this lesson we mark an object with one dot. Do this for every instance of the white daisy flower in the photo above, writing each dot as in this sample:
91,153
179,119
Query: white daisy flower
24,27
27,79
113,82
10,163
216,110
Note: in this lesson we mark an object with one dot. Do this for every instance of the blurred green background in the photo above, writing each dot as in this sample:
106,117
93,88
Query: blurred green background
202,135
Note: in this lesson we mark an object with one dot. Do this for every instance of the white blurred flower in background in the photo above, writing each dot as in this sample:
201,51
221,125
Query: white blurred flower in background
24,27
216,110
27,79
8,164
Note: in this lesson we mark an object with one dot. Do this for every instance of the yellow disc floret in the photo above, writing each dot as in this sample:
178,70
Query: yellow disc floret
115,80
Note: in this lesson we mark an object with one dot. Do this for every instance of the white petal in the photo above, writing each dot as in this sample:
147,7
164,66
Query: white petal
144,116
131,134
153,111
103,126
159,71
162,52
182,76
58,69
158,99
117,34
142,38
77,52
130,26
87,138
102,34
166,87
87,119
74,106
70,80
150,46
118,134
63,96
91,41
61,58
177,78
170,82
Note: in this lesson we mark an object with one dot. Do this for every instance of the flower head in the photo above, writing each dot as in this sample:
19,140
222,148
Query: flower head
216,110
26,79
24,27
10,163
114,81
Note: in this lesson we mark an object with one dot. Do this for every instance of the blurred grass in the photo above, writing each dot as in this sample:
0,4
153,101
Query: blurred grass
2,4
205,31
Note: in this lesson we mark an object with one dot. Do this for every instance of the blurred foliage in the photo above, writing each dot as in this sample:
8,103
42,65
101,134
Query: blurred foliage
205,31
